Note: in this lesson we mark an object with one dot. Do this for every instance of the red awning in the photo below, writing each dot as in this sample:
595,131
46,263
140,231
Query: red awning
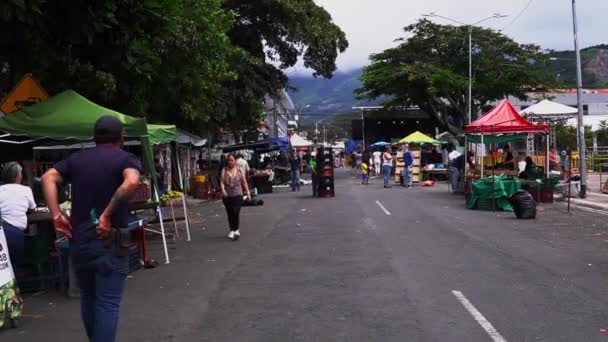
502,119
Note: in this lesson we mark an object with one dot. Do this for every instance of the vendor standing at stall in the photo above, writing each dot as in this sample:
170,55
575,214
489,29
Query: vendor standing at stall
509,159
103,179
15,201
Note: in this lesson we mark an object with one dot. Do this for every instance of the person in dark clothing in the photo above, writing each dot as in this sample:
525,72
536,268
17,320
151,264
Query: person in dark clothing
103,178
509,160
160,176
457,170
200,163
525,174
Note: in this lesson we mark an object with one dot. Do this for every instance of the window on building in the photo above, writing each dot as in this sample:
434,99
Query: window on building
585,109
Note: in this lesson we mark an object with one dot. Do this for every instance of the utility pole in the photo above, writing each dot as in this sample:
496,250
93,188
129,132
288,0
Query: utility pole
581,127
470,102
363,128
275,119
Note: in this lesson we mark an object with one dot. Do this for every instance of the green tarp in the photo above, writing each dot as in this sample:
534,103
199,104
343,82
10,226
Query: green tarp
485,190
495,139
162,134
71,116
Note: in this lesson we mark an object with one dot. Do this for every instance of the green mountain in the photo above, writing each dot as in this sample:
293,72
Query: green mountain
326,98
595,67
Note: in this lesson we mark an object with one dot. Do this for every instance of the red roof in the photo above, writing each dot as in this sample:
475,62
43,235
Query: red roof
503,119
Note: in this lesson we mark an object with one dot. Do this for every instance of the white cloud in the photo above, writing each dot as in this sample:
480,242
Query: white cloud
373,25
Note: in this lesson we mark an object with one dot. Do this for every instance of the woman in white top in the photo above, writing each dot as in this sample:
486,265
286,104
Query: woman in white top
387,166
15,201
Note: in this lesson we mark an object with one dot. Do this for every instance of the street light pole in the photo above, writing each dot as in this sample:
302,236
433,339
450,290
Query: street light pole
469,103
581,127
363,127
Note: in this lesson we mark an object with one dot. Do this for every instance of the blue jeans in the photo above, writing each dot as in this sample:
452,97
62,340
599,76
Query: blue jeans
295,179
407,176
101,278
387,169
454,179
15,239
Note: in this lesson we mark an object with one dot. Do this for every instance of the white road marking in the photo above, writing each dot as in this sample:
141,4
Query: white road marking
485,324
388,213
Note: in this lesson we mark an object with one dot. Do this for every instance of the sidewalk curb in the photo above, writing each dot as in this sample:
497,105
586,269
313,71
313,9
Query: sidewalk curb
583,203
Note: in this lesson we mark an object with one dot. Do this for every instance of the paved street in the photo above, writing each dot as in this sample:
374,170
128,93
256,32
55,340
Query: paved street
372,264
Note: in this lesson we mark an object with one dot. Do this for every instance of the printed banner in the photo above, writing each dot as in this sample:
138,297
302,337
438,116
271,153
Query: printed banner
6,269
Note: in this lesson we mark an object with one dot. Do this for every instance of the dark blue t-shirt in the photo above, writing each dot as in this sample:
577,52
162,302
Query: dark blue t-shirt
95,175
295,163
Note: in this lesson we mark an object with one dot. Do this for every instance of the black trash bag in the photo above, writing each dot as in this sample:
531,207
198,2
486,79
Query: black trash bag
523,205
255,201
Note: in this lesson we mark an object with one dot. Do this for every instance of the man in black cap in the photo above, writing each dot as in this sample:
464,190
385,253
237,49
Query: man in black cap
102,178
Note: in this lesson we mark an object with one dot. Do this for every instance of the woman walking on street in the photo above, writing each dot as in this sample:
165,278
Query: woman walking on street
233,183
387,166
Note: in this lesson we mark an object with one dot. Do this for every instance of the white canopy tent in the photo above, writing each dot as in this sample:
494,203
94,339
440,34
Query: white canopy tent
297,141
549,112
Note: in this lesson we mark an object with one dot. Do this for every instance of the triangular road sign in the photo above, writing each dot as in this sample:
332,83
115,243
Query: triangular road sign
26,92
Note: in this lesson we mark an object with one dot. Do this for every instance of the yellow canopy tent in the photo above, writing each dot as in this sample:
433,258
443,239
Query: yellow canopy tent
418,138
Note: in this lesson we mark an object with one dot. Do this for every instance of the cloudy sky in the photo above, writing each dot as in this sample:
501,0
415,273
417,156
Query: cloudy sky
372,25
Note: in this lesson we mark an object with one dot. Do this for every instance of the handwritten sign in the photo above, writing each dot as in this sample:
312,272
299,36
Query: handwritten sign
6,269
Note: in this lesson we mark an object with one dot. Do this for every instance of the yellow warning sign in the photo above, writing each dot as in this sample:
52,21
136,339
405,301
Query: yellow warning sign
26,92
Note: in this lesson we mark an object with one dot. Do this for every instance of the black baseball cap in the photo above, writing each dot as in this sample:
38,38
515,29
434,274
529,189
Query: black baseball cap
108,129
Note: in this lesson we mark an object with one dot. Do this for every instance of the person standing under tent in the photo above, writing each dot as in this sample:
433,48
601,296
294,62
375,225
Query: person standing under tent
387,166
509,159
233,184
103,179
15,201
295,163
408,162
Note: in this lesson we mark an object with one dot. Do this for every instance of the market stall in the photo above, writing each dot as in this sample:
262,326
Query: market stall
420,140
501,124
167,135
68,118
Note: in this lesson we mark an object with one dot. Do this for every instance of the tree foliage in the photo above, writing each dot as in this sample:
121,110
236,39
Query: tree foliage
429,69
175,61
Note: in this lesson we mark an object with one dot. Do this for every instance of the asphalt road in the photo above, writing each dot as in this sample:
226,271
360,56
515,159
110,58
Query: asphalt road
372,264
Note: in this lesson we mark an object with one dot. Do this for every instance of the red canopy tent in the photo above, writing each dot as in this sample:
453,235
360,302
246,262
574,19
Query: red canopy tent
504,119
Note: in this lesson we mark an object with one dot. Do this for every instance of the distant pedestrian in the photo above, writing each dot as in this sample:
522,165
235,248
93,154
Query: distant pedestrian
408,163
387,166
314,173
377,157
242,164
233,184
295,163
364,173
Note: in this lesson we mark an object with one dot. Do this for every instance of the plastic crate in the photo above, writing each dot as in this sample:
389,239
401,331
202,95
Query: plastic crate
486,204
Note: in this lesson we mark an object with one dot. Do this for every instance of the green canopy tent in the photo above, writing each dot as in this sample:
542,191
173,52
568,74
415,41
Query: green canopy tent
70,116
167,134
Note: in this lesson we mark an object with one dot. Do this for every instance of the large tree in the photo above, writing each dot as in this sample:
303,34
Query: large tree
157,58
273,35
429,69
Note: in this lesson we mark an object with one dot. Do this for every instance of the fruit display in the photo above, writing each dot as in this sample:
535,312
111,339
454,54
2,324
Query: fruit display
169,195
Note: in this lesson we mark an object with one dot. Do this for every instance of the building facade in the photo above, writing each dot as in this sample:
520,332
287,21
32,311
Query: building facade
278,111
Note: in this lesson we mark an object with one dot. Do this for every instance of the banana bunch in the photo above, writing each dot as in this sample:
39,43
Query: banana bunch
170,195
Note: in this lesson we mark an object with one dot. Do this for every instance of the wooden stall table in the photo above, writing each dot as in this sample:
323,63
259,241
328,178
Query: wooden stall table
432,173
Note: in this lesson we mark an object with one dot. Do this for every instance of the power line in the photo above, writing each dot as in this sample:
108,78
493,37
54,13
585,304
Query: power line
518,15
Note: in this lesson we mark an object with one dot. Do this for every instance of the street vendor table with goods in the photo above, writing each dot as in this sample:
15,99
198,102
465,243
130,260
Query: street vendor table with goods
493,193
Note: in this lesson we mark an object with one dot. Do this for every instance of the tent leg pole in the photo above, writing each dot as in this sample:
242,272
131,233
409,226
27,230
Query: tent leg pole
176,236
186,217
162,231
